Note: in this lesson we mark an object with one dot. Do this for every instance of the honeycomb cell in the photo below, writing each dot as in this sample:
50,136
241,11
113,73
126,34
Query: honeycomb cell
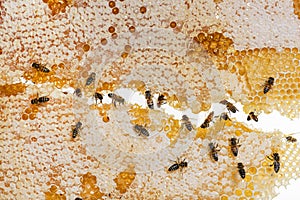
173,24
143,9
115,10
51,194
111,29
86,47
114,36
125,179
132,29
89,188
238,192
111,4
105,118
103,41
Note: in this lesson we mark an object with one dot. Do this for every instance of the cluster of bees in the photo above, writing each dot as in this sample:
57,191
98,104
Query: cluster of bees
233,142
185,121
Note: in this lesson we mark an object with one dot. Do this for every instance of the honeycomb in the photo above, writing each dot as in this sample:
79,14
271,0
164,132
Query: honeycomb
195,53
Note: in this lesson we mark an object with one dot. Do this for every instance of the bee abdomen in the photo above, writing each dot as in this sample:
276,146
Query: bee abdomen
242,173
43,99
74,133
234,151
276,167
173,167
215,156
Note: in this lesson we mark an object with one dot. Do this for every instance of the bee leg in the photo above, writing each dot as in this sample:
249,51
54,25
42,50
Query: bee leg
114,102
269,158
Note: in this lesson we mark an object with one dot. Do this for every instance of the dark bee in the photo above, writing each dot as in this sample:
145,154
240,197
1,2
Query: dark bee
90,79
78,92
98,96
76,129
230,107
208,119
148,97
252,116
78,198
116,98
242,172
268,85
141,130
234,145
178,164
161,100
275,158
40,67
186,122
214,151
224,116
290,139
40,100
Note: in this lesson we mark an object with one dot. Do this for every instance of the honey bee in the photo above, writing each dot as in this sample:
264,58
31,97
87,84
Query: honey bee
214,151
252,116
234,145
76,129
90,79
40,67
78,92
178,164
275,158
208,119
116,98
148,97
229,106
268,85
242,172
290,139
141,130
98,96
187,123
161,100
224,116
40,100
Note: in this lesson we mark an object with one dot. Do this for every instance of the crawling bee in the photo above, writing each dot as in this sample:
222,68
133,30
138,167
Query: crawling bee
141,130
214,151
90,79
208,119
242,172
76,129
234,145
229,106
252,116
224,116
40,100
178,164
98,96
78,92
268,85
290,139
148,97
187,123
40,67
275,158
161,100
116,98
